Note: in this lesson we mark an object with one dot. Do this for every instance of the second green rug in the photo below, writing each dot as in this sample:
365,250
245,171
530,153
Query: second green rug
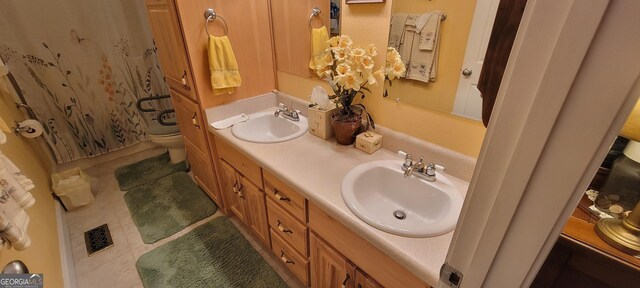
163,207
214,254
147,171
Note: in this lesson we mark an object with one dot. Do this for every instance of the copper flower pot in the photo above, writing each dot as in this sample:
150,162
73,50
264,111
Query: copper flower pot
345,127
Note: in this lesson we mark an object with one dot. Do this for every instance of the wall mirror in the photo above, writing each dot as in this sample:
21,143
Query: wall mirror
442,44
292,22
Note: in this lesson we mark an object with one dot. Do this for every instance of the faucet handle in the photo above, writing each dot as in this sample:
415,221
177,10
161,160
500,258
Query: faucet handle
283,106
408,161
432,168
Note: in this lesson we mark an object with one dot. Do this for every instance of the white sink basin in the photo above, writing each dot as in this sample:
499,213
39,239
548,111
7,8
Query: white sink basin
264,127
376,191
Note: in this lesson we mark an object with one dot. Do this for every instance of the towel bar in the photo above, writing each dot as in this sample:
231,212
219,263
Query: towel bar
315,12
211,15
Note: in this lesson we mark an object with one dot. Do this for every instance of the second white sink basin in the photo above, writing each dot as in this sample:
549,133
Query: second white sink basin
379,194
264,127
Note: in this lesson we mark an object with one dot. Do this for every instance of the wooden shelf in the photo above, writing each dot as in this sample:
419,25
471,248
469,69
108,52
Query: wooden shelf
582,233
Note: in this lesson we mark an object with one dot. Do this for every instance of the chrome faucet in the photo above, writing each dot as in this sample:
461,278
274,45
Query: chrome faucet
419,169
293,115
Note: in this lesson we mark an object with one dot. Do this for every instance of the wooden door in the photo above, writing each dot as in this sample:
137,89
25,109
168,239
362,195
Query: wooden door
364,281
192,126
329,268
172,52
255,209
230,184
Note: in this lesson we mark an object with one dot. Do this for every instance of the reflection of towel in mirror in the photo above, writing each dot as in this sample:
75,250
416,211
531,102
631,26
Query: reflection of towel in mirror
423,61
396,31
223,66
319,45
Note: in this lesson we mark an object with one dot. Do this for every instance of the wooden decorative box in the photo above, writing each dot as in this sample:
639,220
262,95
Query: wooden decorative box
369,142
320,122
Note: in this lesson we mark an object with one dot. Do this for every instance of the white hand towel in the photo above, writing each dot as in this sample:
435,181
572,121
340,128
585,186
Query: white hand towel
398,21
16,184
423,63
228,122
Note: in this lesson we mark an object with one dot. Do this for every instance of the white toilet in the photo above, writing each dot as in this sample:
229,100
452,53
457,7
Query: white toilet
170,138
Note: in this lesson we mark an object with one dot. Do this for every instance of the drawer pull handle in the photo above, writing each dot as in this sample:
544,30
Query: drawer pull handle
278,196
282,229
344,283
285,259
184,78
235,187
194,121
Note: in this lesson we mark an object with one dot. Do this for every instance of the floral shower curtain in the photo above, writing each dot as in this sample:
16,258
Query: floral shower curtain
82,65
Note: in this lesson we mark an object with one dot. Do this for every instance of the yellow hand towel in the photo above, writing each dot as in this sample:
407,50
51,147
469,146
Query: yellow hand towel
319,45
223,66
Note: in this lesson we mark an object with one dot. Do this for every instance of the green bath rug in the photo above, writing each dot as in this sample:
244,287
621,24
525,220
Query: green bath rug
146,171
167,205
214,254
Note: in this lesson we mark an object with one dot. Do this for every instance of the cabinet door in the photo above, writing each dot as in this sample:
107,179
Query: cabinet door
255,209
203,172
328,267
172,52
189,119
364,281
230,186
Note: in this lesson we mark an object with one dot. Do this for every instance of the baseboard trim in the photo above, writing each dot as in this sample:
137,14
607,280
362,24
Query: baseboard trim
66,256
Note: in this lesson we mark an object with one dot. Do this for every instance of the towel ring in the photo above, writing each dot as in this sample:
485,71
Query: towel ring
211,15
315,12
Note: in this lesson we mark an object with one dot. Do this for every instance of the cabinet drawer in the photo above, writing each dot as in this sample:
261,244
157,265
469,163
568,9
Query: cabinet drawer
297,264
188,117
242,163
289,229
286,197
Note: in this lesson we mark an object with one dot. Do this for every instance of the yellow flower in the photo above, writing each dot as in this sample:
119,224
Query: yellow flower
340,54
396,71
333,42
351,81
358,52
342,69
379,75
372,51
392,55
367,63
323,71
344,41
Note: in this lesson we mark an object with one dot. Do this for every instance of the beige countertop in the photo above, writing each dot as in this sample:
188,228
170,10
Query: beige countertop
315,167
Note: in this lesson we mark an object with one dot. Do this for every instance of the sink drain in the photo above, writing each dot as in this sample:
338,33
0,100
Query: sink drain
400,215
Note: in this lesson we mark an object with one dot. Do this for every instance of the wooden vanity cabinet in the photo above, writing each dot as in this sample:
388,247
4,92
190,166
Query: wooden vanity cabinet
319,250
174,59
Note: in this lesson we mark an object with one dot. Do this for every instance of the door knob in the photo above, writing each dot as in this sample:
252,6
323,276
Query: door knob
467,72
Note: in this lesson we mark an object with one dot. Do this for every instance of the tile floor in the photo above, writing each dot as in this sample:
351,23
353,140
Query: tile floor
115,266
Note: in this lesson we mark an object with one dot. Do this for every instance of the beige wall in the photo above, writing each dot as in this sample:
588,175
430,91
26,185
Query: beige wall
369,23
454,31
44,254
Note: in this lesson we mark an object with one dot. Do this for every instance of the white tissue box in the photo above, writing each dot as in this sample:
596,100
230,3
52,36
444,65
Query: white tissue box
320,122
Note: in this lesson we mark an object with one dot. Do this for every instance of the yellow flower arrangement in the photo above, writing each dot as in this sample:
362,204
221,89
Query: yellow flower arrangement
349,69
